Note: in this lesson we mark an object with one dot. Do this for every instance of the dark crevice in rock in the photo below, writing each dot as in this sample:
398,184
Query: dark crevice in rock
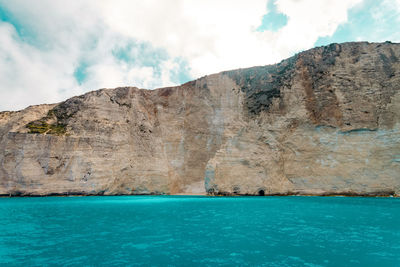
68,108
262,84
387,64
18,193
236,190
121,97
377,193
359,130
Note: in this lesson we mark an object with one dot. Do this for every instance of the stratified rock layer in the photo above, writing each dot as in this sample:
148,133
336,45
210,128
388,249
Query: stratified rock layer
324,122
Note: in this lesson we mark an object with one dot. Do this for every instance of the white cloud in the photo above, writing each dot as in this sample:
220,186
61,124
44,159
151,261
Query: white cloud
26,75
218,35
210,35
207,33
310,19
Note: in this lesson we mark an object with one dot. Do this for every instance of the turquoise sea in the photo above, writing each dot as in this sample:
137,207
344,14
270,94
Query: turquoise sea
199,231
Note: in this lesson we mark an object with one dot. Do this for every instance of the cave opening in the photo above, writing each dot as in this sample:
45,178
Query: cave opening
261,193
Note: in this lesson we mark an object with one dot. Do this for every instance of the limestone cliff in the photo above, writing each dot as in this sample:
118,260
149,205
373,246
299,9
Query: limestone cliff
326,121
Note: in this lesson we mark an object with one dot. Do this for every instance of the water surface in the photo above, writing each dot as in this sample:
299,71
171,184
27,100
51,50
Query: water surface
206,231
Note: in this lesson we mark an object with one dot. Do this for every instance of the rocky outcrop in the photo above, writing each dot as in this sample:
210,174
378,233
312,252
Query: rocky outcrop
324,122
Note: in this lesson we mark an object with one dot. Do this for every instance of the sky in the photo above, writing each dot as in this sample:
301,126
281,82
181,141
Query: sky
51,50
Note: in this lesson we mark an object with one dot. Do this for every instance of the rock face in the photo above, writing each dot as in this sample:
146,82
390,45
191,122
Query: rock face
324,122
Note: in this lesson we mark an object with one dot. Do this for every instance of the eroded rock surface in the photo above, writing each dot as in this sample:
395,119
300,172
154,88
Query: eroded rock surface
326,121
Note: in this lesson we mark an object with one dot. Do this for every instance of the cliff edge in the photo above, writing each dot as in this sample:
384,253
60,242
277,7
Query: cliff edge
324,122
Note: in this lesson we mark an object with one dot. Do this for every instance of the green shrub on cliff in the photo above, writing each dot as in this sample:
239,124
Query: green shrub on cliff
42,127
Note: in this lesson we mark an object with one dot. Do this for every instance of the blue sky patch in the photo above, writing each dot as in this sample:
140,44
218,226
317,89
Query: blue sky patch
373,21
273,20
181,75
80,72
25,33
141,54
145,55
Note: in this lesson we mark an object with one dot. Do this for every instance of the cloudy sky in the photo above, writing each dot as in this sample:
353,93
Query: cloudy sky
54,49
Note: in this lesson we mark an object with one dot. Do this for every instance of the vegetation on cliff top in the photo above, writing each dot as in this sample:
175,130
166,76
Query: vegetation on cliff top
42,126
